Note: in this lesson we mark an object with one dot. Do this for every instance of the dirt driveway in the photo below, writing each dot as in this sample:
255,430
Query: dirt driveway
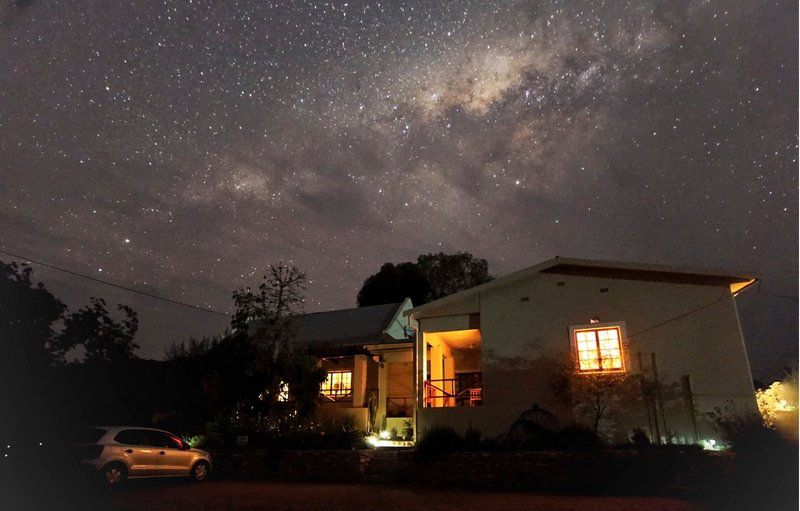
240,496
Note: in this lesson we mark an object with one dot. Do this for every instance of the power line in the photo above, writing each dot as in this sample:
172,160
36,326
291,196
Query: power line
769,295
680,316
118,286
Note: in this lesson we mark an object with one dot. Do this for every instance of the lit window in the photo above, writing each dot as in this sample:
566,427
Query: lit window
283,392
337,385
599,349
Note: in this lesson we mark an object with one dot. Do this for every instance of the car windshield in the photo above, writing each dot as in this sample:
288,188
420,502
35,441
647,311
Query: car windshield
87,435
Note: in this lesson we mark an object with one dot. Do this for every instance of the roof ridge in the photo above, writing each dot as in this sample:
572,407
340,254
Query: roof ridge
395,304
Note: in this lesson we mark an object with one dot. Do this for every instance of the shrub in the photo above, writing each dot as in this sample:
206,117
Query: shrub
764,474
577,438
640,440
472,438
439,439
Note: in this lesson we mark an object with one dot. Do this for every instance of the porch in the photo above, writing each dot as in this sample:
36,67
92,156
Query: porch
373,389
452,375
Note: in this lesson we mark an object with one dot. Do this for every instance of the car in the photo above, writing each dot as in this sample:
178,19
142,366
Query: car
118,453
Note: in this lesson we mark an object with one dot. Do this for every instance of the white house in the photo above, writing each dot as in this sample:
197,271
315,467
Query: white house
485,355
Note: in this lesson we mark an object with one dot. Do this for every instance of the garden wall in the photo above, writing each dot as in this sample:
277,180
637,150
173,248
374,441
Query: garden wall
596,471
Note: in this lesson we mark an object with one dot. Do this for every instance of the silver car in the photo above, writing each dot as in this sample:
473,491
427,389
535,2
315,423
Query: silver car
117,453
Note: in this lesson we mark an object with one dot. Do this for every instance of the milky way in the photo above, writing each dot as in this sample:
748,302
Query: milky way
179,147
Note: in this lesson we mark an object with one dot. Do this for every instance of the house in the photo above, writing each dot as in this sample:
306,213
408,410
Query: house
368,354
484,356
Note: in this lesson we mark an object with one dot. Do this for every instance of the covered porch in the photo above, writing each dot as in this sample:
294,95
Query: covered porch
372,388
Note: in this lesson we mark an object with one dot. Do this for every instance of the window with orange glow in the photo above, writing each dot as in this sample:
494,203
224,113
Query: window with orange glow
599,349
337,385
283,392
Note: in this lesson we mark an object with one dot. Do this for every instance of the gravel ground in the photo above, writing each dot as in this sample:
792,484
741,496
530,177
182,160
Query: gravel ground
241,496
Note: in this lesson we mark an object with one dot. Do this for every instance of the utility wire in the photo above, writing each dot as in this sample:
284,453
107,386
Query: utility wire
680,316
124,288
769,295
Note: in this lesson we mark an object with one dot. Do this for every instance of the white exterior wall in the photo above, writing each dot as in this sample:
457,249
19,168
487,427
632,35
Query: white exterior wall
519,337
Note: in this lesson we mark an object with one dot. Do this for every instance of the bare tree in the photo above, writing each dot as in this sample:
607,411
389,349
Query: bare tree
280,294
592,394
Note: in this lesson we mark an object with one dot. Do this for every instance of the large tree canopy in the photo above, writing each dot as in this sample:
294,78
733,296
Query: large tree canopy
433,276
28,311
100,337
30,315
393,283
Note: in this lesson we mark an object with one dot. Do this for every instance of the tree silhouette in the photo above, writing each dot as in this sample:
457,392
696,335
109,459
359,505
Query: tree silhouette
252,365
28,312
394,283
450,273
433,276
278,295
101,337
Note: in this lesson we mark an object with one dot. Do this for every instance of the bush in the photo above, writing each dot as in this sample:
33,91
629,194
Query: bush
764,475
529,435
472,438
439,439
577,438
640,440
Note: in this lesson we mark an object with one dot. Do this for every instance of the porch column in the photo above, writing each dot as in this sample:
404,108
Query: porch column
383,394
359,380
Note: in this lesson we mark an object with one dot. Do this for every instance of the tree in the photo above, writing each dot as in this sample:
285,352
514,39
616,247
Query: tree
433,276
592,394
778,402
193,348
102,338
450,273
394,283
258,359
28,312
279,295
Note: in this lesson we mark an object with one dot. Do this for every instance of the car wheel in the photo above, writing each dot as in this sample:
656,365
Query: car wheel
113,475
200,471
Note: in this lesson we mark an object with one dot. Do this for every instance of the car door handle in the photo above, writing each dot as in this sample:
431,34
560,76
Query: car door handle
161,452
128,451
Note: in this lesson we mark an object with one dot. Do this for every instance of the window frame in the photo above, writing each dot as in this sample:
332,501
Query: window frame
337,395
575,355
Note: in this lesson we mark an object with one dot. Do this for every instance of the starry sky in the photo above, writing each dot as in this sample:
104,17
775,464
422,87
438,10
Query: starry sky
179,147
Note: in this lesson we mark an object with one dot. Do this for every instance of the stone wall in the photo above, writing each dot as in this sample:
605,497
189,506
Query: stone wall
599,471
333,466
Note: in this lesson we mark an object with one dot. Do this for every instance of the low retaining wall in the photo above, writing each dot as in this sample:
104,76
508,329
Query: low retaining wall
333,466
601,471
598,471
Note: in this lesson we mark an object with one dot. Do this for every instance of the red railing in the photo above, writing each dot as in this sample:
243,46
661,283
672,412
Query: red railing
447,393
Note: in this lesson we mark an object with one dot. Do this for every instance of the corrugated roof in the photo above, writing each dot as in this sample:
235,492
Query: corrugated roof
346,327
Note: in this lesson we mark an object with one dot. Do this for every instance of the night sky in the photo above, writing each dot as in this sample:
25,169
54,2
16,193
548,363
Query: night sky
179,147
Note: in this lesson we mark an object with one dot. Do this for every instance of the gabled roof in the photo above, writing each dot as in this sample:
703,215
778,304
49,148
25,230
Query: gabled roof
348,327
607,269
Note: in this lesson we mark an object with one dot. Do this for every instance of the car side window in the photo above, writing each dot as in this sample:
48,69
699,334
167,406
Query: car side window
131,437
173,443
161,439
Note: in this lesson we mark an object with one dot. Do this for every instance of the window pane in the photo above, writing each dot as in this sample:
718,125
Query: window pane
130,437
337,384
599,349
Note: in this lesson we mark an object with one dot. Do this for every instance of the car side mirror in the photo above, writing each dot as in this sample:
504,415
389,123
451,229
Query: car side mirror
185,446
